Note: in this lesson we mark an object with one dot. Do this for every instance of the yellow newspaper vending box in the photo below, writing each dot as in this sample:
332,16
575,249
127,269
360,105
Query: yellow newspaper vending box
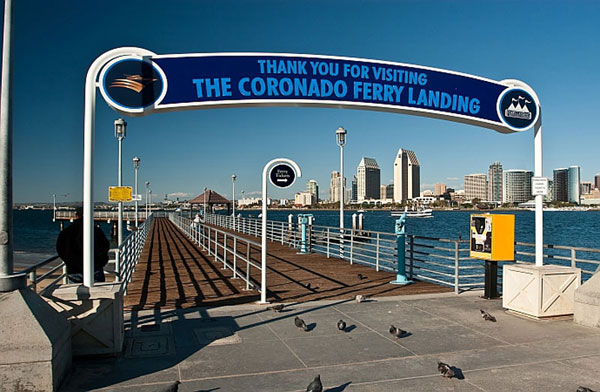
492,237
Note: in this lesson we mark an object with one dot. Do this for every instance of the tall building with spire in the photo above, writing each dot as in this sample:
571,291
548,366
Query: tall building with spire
407,176
495,182
368,178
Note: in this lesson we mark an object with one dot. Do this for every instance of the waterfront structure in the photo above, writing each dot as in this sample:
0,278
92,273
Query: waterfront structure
517,186
439,189
313,187
368,179
476,186
561,184
495,191
574,194
304,199
407,176
586,187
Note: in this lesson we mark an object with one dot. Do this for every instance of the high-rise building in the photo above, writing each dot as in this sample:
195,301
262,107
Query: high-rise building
313,187
368,179
334,187
517,186
389,191
574,187
354,191
382,189
407,176
439,189
597,181
586,187
495,182
304,199
561,184
476,186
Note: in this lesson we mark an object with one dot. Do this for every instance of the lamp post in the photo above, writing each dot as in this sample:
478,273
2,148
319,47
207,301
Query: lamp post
54,207
204,205
120,133
136,166
233,177
147,185
340,134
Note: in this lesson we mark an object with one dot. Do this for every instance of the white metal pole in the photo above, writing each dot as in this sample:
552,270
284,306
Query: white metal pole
120,179
233,201
88,154
341,187
6,137
539,208
136,193
204,205
263,238
54,207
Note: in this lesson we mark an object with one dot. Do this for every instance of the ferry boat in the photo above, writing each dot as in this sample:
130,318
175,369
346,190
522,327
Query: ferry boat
419,213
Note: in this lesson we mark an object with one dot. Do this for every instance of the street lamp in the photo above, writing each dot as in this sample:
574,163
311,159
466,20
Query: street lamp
147,185
341,140
136,166
233,177
204,205
120,133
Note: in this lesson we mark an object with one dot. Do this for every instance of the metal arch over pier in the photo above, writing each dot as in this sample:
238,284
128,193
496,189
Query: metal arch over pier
136,81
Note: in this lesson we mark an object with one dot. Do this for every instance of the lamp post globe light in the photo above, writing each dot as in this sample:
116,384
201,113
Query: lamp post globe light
120,133
136,166
233,177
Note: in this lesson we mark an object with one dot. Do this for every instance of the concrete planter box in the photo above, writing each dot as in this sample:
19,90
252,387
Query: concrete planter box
96,316
540,292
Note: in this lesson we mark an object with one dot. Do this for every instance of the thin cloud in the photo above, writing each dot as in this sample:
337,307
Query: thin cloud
452,178
179,194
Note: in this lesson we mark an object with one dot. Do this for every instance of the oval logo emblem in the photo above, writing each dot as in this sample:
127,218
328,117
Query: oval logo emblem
132,84
517,109
282,175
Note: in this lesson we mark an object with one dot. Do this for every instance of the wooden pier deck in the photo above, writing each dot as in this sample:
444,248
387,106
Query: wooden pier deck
173,272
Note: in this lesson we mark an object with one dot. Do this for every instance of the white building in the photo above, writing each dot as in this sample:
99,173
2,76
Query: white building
368,179
476,186
407,176
517,186
304,199
334,187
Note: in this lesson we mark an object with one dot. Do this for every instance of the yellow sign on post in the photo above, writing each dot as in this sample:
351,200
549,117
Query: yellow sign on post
120,193
492,236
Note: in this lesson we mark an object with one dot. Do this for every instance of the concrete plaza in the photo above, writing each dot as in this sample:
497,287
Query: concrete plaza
248,348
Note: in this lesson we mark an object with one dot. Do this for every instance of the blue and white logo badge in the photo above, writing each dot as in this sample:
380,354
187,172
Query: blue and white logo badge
517,109
132,84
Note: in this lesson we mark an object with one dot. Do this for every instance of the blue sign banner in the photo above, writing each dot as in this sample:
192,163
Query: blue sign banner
135,85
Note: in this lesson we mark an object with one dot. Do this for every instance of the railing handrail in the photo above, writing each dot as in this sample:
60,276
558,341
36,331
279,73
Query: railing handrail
39,265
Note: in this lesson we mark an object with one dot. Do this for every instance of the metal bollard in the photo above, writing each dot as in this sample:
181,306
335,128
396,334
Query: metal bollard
401,247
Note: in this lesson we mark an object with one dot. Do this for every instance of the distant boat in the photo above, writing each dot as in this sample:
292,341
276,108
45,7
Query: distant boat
419,213
360,211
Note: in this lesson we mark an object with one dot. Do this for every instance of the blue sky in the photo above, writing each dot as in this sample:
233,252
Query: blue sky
551,45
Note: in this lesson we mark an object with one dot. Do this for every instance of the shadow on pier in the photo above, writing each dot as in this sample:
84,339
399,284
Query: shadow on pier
173,272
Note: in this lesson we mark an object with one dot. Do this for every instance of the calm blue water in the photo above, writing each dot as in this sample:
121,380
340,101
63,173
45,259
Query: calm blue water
35,233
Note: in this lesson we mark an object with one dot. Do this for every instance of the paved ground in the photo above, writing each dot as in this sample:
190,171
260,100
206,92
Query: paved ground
248,348
173,272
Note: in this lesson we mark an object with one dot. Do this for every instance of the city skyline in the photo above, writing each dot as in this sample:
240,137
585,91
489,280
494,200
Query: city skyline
185,151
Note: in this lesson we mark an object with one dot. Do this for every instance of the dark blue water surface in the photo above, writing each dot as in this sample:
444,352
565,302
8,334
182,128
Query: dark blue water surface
34,231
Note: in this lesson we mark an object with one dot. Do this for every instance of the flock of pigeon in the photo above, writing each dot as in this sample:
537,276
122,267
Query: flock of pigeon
445,369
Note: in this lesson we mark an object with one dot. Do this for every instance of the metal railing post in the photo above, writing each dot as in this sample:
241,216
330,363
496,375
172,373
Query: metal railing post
234,257
247,266
352,245
32,278
456,268
224,251
573,258
65,275
411,250
328,242
377,254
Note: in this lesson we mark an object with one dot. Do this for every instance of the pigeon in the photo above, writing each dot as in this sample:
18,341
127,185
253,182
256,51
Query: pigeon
174,387
360,298
300,324
396,332
445,369
276,308
341,325
308,286
486,316
361,277
584,389
315,385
